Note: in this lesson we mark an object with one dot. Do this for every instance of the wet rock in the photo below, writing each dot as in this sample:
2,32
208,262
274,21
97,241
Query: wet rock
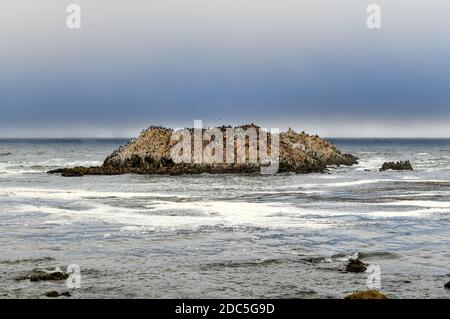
44,275
52,294
356,265
55,294
370,294
447,285
397,166
5,153
70,172
151,153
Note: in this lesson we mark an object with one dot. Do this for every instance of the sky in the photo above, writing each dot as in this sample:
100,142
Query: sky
307,64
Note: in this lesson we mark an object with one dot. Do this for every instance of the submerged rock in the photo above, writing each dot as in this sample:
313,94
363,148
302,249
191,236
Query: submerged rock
370,294
356,265
54,294
397,166
151,153
44,275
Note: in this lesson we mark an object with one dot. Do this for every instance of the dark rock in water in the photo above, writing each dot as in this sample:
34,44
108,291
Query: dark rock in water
370,294
151,153
447,285
397,166
41,275
356,265
5,153
54,294
73,172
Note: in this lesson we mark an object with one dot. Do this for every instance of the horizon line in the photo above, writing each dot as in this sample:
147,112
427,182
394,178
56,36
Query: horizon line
125,137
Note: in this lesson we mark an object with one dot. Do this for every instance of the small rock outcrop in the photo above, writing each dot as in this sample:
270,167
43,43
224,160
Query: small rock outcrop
370,294
397,166
44,275
447,285
151,153
356,265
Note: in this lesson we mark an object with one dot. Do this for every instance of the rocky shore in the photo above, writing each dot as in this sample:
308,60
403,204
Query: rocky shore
152,153
396,166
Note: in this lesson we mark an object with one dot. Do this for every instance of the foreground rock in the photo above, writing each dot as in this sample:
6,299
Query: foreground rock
44,275
397,166
356,265
370,294
447,285
151,153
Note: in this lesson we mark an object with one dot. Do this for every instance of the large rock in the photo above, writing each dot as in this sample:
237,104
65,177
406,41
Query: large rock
397,166
150,153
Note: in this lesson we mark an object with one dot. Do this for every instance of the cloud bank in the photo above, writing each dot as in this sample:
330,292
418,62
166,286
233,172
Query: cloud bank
306,64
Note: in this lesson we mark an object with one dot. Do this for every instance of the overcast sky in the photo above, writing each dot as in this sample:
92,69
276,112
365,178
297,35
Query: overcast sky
308,64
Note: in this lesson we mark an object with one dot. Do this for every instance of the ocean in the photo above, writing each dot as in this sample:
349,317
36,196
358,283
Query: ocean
226,236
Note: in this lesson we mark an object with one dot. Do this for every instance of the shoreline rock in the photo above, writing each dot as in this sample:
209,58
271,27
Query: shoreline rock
150,153
44,275
370,294
396,166
356,266
55,294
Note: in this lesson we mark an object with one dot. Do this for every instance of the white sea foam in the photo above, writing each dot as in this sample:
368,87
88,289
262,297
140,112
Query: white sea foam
164,215
373,163
179,215
25,192
344,184
418,203
425,194
14,169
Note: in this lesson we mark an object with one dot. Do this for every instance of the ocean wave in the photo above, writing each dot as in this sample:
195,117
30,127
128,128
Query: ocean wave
351,183
163,215
27,260
33,167
242,263
26,192
418,203
333,258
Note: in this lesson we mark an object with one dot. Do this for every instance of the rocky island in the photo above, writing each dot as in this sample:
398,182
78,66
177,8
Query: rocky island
156,151
396,166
